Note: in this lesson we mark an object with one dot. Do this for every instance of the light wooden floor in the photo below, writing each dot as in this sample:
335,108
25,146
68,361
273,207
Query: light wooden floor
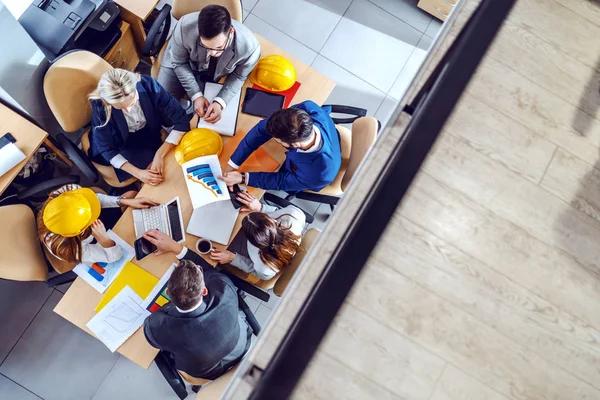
486,284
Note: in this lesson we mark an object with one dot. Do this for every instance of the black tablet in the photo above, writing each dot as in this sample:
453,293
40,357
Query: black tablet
262,104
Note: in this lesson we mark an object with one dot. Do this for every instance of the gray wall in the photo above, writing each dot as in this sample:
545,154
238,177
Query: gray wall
22,69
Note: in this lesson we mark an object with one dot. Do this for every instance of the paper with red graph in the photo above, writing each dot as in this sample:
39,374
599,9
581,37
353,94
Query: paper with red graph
159,296
100,275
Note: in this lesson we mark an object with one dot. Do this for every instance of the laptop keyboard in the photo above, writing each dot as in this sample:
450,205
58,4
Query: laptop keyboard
152,220
175,223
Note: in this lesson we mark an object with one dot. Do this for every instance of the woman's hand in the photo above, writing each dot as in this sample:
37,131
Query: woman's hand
164,243
158,164
250,203
99,233
222,256
140,202
149,177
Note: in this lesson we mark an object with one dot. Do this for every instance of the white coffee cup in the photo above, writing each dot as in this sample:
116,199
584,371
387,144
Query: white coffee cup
204,244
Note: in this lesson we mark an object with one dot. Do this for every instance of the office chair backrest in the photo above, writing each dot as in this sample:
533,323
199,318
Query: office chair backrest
289,271
21,253
364,133
183,7
67,84
335,187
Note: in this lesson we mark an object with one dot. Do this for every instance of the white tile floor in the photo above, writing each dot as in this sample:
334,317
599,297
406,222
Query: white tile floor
370,48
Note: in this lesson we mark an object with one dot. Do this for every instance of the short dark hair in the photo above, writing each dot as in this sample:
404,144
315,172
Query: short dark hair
213,20
290,125
186,285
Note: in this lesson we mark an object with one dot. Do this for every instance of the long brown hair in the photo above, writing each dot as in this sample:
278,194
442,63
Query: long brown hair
276,244
68,249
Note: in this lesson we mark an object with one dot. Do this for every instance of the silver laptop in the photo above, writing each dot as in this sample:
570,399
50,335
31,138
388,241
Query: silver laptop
166,218
214,221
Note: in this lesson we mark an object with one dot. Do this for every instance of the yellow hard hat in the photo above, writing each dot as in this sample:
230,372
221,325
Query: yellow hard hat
197,143
72,212
275,73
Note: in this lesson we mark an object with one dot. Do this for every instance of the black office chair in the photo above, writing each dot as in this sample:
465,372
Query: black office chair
173,376
158,32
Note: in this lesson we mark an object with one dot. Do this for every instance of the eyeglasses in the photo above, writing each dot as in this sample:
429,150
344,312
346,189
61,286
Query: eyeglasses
218,50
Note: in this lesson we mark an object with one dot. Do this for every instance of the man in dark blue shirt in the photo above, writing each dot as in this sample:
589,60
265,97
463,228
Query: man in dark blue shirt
314,154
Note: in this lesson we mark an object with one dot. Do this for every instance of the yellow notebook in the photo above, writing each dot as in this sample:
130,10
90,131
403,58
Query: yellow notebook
141,281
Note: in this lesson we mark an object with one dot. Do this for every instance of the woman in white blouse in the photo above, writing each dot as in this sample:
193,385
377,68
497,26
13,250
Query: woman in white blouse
267,241
67,228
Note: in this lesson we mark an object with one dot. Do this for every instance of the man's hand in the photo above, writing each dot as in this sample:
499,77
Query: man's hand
213,114
99,233
149,177
201,104
229,168
222,256
231,178
164,244
250,202
139,202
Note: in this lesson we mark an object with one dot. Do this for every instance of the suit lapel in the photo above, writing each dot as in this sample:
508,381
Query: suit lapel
225,58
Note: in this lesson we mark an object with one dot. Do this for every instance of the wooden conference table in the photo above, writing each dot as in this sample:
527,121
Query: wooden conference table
77,305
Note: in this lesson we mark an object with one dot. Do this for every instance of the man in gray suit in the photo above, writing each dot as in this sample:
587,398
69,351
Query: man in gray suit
205,47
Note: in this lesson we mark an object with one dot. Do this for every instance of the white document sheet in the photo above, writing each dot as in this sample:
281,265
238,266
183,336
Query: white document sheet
201,178
214,221
10,155
100,275
119,319
226,125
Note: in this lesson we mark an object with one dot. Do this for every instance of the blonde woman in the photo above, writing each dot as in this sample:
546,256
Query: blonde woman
128,112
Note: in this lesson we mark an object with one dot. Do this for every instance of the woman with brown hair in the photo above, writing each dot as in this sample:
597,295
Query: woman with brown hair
71,219
267,241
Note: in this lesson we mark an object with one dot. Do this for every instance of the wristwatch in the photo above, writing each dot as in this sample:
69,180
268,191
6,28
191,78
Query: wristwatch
244,177
119,201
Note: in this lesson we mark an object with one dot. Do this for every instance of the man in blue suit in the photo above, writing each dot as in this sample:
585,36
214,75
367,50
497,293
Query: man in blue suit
314,154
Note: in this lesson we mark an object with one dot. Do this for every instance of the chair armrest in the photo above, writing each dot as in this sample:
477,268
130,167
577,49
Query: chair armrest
169,372
318,198
157,35
44,188
78,157
252,321
278,201
247,287
350,110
